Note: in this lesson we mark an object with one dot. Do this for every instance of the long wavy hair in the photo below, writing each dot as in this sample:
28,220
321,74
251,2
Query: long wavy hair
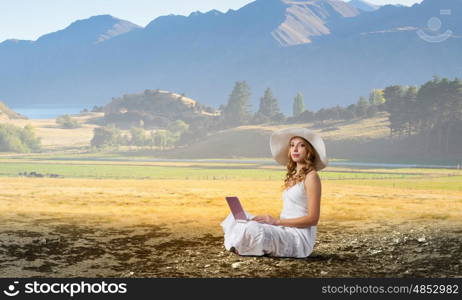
292,177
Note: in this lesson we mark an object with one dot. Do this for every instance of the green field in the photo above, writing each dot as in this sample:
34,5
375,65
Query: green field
197,170
449,183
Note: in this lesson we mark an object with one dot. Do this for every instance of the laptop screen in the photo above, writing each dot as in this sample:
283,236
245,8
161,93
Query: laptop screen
236,208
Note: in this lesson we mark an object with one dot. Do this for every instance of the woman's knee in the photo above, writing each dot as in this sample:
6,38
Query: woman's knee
253,229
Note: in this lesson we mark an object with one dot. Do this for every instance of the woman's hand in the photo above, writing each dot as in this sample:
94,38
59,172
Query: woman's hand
266,219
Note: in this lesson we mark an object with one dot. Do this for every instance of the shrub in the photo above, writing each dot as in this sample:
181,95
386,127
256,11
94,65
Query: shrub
106,137
67,122
17,139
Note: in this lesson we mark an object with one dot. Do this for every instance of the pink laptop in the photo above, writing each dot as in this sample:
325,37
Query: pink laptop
236,209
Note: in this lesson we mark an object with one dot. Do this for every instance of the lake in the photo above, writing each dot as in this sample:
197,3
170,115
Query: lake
46,113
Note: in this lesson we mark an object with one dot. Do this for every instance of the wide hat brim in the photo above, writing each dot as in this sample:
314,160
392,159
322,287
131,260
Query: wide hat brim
279,143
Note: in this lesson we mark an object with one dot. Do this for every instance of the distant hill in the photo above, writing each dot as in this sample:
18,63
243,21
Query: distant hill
361,140
93,30
328,50
253,140
7,114
154,109
363,5
305,20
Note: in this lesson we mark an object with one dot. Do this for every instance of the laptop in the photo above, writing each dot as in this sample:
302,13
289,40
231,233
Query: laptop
236,209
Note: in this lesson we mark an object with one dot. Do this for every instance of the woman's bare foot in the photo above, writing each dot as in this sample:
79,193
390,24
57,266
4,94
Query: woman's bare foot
234,250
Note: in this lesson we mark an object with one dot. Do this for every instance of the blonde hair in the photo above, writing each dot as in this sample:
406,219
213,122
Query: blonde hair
292,177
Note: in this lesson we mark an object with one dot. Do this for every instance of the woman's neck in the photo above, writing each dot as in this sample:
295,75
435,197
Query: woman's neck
299,167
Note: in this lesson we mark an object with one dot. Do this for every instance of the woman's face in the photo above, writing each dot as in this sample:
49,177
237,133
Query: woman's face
298,150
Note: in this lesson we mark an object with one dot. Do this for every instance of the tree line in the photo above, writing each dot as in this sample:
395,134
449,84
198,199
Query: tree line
433,110
110,136
237,111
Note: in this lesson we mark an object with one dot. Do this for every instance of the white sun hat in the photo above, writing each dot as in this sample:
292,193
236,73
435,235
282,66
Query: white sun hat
279,143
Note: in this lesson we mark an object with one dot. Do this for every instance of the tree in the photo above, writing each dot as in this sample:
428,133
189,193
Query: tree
97,108
409,105
196,132
138,136
106,137
278,118
17,139
236,111
178,127
361,107
163,139
371,111
65,121
268,104
306,116
299,105
376,97
348,114
259,118
394,106
27,136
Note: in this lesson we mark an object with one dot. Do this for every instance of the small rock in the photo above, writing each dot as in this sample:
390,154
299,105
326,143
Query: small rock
236,265
206,266
421,239
375,251
323,273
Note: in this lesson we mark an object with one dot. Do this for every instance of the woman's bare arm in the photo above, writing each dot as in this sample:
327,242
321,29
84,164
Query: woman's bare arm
313,192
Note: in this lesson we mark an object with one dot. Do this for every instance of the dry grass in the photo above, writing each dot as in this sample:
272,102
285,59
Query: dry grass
201,205
370,128
54,137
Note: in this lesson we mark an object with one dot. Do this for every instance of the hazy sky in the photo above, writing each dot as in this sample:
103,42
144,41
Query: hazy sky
29,19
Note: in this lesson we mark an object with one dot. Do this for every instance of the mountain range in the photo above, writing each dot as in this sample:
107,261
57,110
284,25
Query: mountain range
331,51
363,5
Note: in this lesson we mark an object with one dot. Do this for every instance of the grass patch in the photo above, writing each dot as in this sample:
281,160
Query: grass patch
149,170
448,183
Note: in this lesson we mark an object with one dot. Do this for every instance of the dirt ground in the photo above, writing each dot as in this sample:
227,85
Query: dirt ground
54,248
170,228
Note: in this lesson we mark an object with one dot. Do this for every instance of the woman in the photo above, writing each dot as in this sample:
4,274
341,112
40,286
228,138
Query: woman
293,234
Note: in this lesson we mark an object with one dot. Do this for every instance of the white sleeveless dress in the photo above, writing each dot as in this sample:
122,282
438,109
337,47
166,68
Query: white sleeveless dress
253,238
